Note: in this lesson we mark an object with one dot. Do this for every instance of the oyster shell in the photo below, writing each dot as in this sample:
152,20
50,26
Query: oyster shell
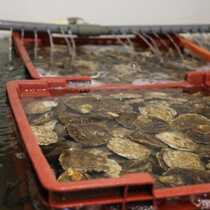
125,96
94,134
156,95
84,65
104,151
113,168
176,177
84,161
107,107
182,159
126,119
150,125
41,118
136,166
189,121
128,149
159,111
150,140
72,175
45,134
201,134
39,107
120,132
67,118
177,140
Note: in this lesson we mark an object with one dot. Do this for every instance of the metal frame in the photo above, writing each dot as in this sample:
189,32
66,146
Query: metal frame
95,30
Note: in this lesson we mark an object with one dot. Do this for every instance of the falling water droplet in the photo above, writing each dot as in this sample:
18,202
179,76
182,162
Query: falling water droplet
10,45
51,48
35,44
175,45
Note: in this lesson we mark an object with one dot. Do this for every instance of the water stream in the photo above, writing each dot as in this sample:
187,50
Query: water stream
51,47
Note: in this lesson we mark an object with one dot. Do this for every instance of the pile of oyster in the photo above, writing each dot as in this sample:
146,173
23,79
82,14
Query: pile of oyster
116,63
105,135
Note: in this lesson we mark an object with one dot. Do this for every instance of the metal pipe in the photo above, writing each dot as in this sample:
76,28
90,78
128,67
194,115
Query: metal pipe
94,30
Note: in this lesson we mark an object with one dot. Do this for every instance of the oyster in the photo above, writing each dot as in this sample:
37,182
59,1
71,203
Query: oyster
67,118
177,140
135,166
81,104
99,108
112,108
128,149
120,132
200,135
150,125
104,151
189,121
41,118
45,134
86,108
72,175
113,168
182,108
150,140
171,180
159,111
84,65
127,119
176,177
93,134
181,159
156,95
125,69
84,161
39,107
125,96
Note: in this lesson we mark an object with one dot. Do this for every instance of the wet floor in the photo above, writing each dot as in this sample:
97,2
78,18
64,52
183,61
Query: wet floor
11,196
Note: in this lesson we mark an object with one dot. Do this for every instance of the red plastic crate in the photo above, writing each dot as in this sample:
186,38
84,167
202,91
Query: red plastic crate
124,190
43,40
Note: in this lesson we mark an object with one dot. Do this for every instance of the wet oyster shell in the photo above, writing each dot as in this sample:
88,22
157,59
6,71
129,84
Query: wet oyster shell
45,134
177,140
94,134
159,111
126,120
128,149
136,166
189,121
82,104
120,132
72,175
40,107
84,65
177,177
41,118
84,161
113,168
200,135
182,159
150,125
150,140
125,96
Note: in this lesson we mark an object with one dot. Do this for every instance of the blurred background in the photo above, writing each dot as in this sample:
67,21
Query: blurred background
109,11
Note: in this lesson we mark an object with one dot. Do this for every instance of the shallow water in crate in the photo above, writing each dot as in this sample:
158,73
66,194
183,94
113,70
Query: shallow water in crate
105,135
116,63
